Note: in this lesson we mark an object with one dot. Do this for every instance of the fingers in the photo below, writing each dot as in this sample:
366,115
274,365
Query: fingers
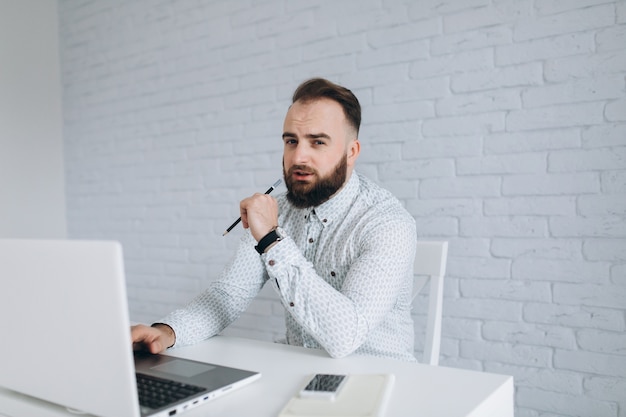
147,339
246,205
243,213
259,213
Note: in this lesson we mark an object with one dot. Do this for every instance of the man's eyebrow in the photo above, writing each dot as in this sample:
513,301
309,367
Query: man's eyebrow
308,136
317,136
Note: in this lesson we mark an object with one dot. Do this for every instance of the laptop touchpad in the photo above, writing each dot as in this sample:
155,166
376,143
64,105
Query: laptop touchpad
182,368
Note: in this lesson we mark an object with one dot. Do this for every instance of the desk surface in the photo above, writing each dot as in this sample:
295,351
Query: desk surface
427,390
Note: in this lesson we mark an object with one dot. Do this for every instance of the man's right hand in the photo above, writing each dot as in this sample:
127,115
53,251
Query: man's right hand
154,339
259,213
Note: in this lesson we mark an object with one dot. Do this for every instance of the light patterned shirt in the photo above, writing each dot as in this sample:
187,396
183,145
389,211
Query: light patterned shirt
344,275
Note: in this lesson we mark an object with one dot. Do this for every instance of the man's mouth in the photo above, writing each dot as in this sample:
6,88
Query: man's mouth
301,175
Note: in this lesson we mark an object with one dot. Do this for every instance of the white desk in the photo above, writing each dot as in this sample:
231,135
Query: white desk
419,390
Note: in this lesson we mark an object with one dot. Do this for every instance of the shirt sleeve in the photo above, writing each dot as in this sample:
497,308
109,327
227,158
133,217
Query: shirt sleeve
224,300
340,319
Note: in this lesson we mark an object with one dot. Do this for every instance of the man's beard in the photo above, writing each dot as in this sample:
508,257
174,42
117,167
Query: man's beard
303,194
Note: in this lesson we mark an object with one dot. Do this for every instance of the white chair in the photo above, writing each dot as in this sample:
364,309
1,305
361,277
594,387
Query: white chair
430,264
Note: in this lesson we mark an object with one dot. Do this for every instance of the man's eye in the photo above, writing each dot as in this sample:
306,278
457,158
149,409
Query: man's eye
319,142
290,141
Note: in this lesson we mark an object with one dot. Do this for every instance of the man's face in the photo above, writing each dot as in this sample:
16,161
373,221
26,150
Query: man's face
320,149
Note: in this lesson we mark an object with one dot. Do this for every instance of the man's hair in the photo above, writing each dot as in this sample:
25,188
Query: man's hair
317,88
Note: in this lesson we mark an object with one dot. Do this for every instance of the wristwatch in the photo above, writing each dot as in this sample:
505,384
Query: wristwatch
275,235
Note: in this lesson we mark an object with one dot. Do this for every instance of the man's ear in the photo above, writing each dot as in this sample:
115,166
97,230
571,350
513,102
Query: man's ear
354,149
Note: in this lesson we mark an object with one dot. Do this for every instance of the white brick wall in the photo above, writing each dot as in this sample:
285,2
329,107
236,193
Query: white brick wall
501,125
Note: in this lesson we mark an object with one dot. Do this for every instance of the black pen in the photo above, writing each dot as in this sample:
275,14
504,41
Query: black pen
269,190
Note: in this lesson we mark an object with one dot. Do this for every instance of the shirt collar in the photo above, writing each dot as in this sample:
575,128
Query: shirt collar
339,204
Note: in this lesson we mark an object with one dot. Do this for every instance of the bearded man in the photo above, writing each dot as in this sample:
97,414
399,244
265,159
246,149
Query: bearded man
337,248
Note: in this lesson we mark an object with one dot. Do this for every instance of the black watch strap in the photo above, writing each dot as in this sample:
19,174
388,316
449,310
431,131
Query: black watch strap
268,239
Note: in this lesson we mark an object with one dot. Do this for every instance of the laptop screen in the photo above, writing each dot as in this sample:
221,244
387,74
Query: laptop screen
68,334
67,338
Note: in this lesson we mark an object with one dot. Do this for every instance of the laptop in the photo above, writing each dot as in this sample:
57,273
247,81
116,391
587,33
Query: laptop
66,335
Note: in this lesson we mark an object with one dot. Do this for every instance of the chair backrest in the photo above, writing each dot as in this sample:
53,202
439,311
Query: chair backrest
430,265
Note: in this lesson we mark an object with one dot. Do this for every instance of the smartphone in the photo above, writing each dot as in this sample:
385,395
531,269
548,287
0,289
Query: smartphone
325,386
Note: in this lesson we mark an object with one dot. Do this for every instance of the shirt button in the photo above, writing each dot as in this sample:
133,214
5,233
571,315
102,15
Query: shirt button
311,240
325,220
291,304
271,262
332,273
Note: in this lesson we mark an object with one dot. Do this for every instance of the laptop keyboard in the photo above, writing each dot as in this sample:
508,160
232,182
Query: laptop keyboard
156,392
